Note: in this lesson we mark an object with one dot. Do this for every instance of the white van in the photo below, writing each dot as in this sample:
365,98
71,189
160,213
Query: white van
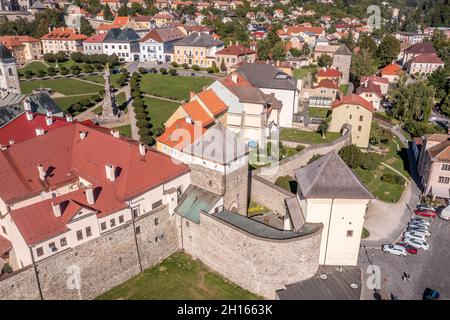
445,213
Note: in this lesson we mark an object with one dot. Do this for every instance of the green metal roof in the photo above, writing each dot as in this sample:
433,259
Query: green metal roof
262,230
195,200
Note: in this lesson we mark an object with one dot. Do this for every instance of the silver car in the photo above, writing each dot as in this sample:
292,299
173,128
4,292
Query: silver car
415,235
419,244
394,249
419,230
419,223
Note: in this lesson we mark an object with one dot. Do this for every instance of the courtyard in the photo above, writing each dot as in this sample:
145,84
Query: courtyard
178,277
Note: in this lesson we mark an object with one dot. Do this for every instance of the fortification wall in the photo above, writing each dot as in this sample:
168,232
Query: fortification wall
101,263
257,264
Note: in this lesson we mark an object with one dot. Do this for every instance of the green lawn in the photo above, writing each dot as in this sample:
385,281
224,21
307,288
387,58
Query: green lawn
302,72
125,130
159,110
318,112
173,87
384,191
344,88
34,67
65,86
66,102
97,78
178,277
309,137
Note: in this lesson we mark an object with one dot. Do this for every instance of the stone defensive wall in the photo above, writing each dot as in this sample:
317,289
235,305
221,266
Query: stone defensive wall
88,270
254,256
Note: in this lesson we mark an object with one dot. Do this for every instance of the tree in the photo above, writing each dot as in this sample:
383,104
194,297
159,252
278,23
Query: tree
223,67
107,14
352,156
85,27
277,52
314,158
388,50
412,102
367,42
306,50
324,61
362,65
323,128
349,41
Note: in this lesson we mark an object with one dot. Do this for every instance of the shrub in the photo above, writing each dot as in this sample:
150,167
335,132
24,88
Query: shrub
173,72
142,70
195,67
40,73
97,98
314,158
136,94
392,179
145,131
101,92
138,109
141,116
76,107
123,70
371,161
158,131
174,64
63,72
6,268
88,69
85,102
352,156
185,66
163,70
49,57
152,70
75,72
148,140
51,71
210,70
98,66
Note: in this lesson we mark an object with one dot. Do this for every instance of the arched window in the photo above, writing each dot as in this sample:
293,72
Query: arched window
10,72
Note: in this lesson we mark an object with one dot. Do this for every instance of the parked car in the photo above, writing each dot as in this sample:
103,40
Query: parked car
419,244
430,294
409,248
445,213
415,235
419,230
424,206
394,249
425,213
419,220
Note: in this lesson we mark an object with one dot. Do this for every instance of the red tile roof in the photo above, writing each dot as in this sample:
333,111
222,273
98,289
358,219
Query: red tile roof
65,157
120,21
327,83
105,27
180,134
369,87
96,38
235,50
392,69
197,113
329,73
427,58
63,33
299,29
21,129
15,41
355,100
5,245
214,104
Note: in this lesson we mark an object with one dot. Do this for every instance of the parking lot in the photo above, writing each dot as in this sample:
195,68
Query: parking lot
428,269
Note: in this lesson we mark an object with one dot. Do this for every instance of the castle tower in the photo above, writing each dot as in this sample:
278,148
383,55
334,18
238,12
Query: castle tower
9,79
342,60
109,100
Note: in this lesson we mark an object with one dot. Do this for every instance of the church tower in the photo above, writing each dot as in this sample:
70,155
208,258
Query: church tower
9,79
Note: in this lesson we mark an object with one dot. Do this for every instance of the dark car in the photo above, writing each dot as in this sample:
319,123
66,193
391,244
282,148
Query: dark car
409,248
430,294
192,74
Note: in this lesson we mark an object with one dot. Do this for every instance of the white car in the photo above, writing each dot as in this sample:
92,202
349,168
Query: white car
425,207
419,244
394,249
415,235
419,230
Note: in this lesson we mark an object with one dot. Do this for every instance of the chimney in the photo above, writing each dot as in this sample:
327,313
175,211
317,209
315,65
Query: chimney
29,116
11,141
191,95
49,113
82,135
234,77
110,172
27,105
69,118
90,195
142,149
48,121
115,133
39,131
41,172
56,209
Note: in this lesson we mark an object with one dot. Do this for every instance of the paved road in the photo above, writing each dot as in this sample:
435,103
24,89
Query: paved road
134,66
428,269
